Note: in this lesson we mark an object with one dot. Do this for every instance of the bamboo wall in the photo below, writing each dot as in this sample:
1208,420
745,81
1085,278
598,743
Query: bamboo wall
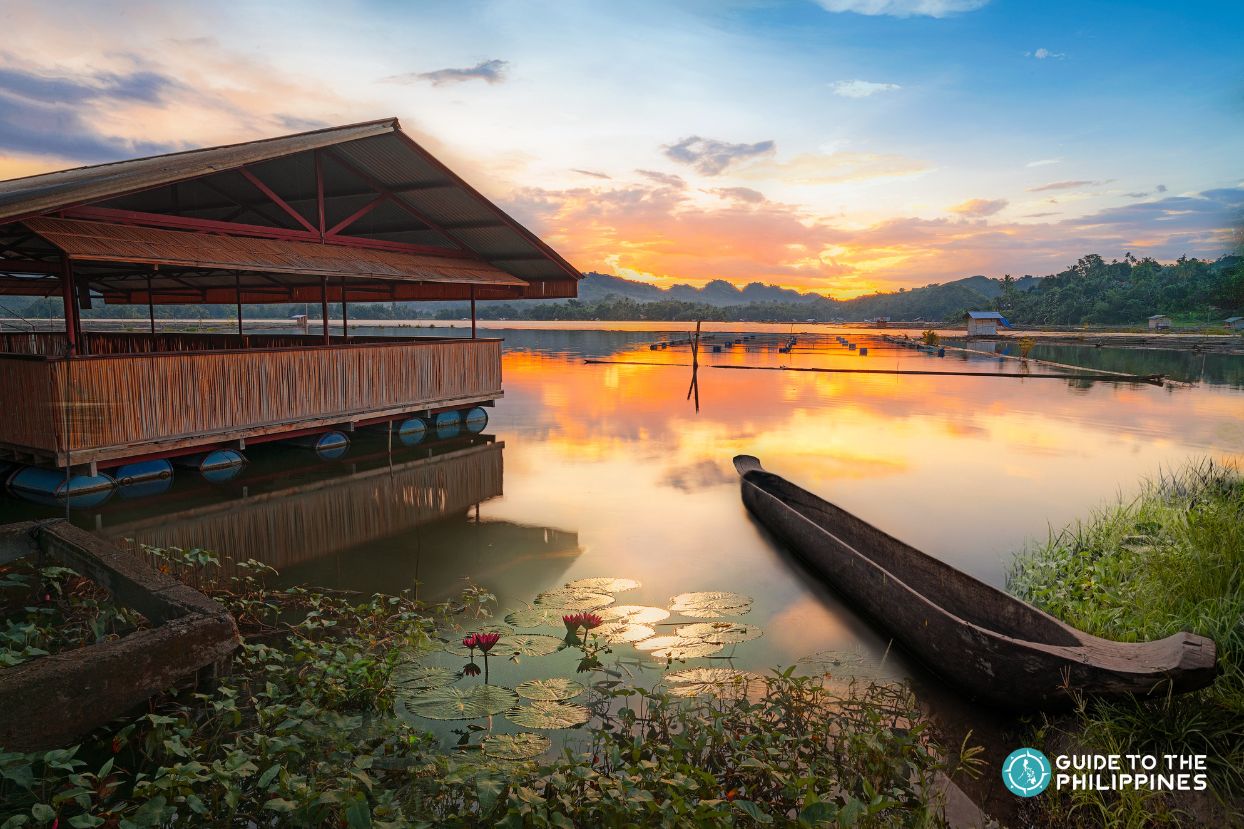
128,404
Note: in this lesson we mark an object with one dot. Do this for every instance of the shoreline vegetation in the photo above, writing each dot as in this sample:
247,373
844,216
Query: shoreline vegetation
1193,292
1170,559
303,732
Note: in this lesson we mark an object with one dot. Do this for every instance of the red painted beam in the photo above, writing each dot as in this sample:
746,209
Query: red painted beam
356,215
379,187
135,217
277,200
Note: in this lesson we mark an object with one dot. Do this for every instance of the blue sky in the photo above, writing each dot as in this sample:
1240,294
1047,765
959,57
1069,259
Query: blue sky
838,146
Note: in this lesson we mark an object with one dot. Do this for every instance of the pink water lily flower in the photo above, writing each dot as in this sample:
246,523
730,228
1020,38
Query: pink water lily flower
485,641
471,642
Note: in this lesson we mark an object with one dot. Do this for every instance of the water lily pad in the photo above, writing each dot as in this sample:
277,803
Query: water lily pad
635,614
572,599
542,714
619,632
727,633
550,690
523,746
603,585
722,682
529,644
536,616
454,703
710,605
416,677
686,649
676,647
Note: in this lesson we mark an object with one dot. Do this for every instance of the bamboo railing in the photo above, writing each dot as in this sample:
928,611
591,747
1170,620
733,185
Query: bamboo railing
107,406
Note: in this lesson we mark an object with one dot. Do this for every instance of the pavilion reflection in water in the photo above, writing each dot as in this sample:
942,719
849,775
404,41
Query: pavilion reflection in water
380,522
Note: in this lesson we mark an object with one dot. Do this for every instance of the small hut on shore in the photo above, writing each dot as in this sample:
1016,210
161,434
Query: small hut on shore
1159,322
358,213
1234,323
984,323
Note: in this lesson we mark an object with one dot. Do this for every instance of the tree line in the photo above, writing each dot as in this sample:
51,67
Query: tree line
1092,291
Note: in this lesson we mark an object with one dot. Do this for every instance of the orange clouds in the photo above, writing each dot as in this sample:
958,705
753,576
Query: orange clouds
663,231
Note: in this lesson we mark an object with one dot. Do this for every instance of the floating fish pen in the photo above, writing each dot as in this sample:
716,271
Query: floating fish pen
350,214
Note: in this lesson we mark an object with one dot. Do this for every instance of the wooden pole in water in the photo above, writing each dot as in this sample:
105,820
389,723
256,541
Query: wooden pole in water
472,312
695,366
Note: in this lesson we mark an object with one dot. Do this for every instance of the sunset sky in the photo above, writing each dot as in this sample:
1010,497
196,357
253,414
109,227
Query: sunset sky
840,146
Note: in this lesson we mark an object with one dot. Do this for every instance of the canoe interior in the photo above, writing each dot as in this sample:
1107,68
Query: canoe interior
953,590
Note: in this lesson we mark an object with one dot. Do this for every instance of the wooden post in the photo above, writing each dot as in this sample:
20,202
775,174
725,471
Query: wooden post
345,314
69,298
472,312
324,306
151,311
237,292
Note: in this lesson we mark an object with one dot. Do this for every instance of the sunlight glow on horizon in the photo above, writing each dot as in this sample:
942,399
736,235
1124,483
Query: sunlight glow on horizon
683,143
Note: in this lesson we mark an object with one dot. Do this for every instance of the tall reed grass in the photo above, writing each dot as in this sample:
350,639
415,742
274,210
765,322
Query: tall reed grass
1171,559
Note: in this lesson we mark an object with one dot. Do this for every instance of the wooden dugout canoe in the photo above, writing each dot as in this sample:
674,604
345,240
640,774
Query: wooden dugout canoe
989,644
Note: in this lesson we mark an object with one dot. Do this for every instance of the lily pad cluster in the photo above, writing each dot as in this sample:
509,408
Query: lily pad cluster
596,622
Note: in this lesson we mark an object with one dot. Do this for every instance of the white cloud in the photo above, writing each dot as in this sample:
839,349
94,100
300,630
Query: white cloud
861,89
1043,53
903,8
1043,162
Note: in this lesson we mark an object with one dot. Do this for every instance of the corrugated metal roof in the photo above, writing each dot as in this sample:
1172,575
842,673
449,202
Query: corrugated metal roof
985,315
377,149
104,242
43,193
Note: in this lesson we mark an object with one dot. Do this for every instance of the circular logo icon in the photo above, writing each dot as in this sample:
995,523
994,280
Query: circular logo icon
1026,772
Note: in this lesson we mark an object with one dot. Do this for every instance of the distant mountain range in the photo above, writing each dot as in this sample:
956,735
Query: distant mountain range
929,301
718,292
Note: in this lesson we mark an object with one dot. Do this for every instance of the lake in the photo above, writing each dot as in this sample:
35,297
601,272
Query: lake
608,470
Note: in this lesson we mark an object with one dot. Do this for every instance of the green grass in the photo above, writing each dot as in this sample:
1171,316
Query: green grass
1172,559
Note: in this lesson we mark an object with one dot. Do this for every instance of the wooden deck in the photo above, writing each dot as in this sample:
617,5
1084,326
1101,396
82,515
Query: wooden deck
137,395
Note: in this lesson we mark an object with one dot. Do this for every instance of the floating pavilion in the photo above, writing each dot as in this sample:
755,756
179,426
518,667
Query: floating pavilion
358,213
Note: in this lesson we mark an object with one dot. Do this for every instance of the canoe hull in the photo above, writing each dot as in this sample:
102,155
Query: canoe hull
1002,668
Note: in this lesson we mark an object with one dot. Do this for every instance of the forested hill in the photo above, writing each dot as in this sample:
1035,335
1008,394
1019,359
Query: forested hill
1125,291
1091,291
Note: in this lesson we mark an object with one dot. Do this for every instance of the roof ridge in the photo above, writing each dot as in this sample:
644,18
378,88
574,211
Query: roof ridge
342,127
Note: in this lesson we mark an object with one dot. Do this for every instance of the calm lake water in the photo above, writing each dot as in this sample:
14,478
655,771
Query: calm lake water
592,470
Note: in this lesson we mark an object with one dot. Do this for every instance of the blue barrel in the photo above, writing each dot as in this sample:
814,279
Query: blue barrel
143,471
863,352
145,489
217,466
448,424
851,346
328,446
941,352
50,487
475,419
412,431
